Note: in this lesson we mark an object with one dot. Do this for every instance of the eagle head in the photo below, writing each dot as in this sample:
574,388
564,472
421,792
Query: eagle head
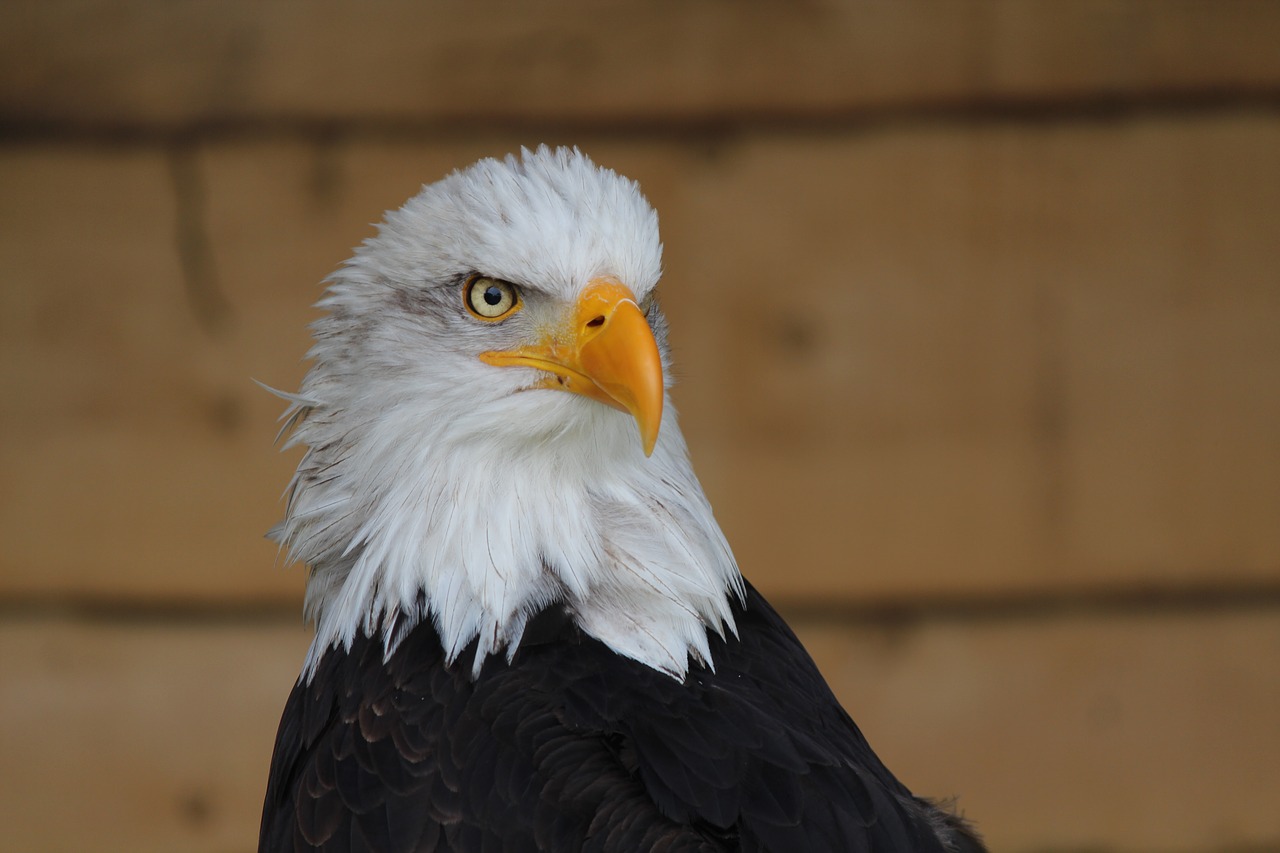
488,427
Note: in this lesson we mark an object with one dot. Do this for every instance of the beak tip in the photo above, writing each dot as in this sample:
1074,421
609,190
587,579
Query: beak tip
648,416
650,442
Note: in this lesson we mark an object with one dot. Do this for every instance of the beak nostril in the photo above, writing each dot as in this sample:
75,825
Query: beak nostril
595,321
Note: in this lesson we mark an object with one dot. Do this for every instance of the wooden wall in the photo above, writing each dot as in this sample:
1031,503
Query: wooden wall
977,311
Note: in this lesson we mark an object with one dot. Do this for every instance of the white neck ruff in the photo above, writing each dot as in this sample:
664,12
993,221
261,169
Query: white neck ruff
401,521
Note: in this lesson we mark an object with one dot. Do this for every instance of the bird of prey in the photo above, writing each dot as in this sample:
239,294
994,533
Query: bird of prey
530,632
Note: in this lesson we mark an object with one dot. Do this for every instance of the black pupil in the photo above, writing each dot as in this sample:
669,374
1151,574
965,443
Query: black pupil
492,295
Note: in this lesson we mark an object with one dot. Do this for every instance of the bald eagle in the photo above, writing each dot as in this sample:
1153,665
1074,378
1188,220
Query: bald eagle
530,633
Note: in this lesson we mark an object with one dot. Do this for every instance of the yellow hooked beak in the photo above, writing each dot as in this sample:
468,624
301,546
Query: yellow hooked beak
605,351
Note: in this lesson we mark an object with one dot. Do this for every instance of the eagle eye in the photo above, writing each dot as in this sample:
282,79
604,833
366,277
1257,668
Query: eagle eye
490,299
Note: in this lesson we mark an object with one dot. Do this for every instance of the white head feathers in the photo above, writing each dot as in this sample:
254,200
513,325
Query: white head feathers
438,486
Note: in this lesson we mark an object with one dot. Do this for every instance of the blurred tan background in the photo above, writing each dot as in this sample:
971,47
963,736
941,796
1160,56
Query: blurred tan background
977,313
